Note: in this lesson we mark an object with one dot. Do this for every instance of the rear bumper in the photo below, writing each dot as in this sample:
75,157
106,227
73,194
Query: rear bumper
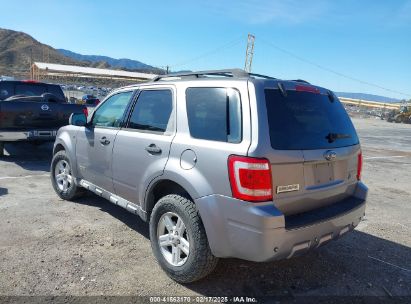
29,135
262,233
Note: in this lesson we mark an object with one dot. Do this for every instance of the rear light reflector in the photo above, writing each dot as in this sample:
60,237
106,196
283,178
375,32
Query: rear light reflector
85,111
359,166
303,88
250,178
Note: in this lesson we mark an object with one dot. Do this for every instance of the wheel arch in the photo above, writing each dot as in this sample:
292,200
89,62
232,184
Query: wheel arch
64,142
161,188
58,147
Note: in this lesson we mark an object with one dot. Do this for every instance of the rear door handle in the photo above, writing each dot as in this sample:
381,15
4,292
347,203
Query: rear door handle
104,141
153,149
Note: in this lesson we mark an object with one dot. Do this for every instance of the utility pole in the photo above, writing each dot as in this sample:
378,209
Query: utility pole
249,53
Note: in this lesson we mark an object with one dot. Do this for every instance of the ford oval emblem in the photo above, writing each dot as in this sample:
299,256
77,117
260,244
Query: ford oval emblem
44,107
330,155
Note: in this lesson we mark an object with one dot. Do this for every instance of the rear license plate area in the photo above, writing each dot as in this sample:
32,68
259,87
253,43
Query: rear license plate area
323,173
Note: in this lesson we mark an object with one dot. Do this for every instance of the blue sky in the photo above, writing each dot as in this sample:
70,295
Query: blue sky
366,40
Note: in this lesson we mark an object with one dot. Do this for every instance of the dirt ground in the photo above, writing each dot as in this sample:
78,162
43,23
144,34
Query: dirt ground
53,247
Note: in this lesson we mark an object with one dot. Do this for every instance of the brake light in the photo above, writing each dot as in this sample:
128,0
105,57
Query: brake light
359,166
85,111
303,88
250,178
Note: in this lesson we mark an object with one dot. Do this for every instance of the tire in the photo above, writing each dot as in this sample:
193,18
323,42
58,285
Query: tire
62,179
398,119
200,261
1,149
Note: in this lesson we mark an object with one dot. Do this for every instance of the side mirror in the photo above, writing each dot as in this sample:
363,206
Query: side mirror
78,119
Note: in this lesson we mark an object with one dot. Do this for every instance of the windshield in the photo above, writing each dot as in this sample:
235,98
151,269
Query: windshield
307,121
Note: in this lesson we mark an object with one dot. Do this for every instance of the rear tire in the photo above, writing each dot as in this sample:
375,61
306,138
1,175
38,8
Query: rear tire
398,119
62,177
185,254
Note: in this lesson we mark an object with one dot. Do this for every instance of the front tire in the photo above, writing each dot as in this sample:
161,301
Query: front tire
62,177
179,241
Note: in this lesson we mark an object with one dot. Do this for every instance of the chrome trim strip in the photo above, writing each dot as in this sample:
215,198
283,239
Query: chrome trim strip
114,199
25,135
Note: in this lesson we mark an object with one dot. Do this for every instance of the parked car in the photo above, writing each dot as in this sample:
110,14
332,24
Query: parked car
32,111
90,100
244,166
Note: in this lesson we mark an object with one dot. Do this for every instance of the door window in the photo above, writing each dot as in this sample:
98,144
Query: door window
152,111
110,113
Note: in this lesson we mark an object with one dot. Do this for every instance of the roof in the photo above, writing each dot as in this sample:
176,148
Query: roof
91,71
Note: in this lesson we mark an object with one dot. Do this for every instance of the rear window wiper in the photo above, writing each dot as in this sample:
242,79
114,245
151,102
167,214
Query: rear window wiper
331,137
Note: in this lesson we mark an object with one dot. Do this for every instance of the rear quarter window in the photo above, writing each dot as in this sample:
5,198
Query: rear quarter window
214,114
307,121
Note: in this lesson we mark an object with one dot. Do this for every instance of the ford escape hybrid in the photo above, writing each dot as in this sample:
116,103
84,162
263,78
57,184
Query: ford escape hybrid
221,164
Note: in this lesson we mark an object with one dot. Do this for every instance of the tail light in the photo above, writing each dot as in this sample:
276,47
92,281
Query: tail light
97,101
250,178
85,111
359,166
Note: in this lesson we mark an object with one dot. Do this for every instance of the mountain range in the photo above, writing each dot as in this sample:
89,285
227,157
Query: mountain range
122,63
18,50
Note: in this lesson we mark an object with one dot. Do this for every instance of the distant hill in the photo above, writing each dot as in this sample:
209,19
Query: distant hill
369,97
17,49
122,63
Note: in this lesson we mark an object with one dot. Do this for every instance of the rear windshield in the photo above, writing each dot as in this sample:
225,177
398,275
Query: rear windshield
307,121
28,89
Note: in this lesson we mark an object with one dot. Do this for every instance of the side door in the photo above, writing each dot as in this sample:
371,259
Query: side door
94,146
142,148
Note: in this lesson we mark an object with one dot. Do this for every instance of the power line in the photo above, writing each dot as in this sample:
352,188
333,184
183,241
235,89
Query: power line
211,52
330,70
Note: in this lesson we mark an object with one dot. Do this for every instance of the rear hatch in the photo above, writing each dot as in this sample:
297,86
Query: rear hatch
314,145
26,115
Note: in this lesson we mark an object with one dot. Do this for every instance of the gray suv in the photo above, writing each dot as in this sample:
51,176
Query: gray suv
221,164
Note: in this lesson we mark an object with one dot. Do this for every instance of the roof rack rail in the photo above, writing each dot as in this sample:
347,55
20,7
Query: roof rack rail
235,73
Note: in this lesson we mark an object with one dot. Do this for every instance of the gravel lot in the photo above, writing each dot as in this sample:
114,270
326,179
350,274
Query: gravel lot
53,247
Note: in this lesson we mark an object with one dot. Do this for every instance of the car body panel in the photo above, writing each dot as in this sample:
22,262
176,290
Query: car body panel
235,228
133,166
